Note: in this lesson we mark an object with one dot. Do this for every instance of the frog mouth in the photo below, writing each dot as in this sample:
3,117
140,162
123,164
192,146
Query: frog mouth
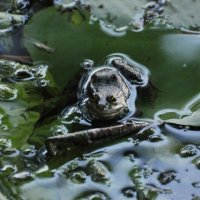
99,113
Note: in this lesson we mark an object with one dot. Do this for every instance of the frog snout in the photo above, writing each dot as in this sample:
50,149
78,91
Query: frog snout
106,101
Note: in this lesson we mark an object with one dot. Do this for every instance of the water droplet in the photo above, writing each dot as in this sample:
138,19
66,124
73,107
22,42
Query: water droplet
7,93
188,151
167,177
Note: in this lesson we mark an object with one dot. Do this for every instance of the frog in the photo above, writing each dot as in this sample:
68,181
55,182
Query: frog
109,91
107,94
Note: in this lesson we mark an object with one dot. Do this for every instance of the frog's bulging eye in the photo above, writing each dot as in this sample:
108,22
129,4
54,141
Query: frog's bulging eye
111,99
94,97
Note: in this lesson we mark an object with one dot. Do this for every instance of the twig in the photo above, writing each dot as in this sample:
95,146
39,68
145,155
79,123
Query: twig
58,144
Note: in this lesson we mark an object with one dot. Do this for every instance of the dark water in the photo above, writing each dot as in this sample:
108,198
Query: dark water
161,164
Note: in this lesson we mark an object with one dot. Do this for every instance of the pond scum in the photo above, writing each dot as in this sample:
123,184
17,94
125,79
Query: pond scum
47,48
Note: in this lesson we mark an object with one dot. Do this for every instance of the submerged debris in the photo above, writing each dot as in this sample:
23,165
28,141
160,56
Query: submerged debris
58,144
167,177
41,45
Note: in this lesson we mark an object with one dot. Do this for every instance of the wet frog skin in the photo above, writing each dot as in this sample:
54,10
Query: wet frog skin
105,96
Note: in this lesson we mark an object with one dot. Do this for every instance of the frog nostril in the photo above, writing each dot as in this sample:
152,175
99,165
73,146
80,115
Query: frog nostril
94,98
111,99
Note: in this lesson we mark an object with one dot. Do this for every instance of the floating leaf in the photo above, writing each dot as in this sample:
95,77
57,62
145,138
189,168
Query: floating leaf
189,116
183,13
119,13
170,56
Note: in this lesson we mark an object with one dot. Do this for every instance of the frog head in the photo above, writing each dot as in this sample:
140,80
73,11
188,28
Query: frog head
106,95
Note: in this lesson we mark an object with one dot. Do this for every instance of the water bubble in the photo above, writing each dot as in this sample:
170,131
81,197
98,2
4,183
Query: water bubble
150,5
7,66
10,152
155,138
167,177
129,192
8,169
94,196
22,74
41,71
136,27
78,177
188,151
7,93
110,29
87,64
71,115
42,82
24,175
28,151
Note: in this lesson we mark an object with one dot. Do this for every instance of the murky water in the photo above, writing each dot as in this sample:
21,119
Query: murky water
158,163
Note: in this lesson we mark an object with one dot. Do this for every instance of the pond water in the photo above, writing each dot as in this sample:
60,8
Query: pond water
42,46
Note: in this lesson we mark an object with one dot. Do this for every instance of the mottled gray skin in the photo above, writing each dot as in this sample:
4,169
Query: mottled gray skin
106,95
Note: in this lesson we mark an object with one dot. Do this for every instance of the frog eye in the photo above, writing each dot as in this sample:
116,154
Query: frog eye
94,97
111,99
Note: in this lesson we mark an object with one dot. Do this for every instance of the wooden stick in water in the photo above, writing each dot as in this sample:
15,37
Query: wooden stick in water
58,144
